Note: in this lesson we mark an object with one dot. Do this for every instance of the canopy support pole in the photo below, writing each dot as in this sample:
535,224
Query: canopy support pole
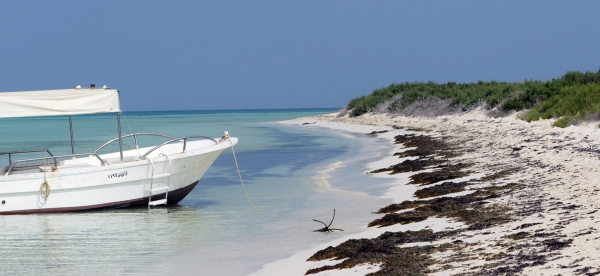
72,140
120,138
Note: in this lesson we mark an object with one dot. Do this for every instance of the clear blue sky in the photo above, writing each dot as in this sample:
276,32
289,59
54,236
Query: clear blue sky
184,55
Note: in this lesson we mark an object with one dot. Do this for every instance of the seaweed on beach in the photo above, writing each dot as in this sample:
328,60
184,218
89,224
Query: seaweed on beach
531,253
385,250
432,153
441,189
425,145
555,244
527,225
417,129
466,208
410,166
377,132
404,205
443,173
459,208
480,194
423,235
394,260
518,236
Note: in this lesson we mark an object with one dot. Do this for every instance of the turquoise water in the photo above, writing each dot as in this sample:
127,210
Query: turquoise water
214,230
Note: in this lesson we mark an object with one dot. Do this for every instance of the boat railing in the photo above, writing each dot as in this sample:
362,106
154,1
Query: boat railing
55,157
15,164
10,153
184,139
172,139
135,135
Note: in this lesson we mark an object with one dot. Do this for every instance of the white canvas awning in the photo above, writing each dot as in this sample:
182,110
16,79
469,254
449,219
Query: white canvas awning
59,102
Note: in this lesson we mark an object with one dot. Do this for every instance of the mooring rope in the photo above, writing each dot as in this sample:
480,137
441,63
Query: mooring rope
227,137
45,187
325,229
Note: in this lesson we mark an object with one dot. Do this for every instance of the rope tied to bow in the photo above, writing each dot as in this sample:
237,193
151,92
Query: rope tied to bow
226,137
45,187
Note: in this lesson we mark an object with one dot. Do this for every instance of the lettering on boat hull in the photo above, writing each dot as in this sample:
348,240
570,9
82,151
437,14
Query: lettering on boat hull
120,174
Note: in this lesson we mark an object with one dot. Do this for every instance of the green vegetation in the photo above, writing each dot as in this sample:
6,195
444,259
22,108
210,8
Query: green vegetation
571,102
573,97
466,94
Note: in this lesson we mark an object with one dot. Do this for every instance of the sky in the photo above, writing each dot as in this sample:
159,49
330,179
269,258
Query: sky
206,55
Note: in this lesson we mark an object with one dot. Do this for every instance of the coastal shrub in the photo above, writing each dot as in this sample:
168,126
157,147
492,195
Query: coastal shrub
466,94
572,102
530,94
536,92
563,122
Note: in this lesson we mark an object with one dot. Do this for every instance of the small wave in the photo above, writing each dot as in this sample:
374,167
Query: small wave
321,178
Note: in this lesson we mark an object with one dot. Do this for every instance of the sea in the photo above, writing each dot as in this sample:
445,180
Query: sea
292,173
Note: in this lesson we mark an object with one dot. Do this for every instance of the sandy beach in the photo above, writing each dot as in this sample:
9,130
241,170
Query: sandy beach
524,198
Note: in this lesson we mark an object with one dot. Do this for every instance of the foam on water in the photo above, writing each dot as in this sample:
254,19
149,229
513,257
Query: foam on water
294,173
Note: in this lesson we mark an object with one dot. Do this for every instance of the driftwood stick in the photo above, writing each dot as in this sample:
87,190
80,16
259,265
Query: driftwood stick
326,228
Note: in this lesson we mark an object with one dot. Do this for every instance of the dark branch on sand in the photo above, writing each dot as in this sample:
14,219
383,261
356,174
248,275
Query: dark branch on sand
326,228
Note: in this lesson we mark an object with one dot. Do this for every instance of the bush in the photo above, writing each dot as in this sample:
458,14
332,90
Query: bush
572,102
575,95
464,94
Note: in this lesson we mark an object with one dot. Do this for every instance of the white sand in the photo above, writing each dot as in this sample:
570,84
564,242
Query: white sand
558,197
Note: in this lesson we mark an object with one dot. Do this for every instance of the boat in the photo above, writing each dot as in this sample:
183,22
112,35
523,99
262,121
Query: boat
162,174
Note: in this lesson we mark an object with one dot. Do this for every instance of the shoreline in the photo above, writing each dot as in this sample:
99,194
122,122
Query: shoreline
552,212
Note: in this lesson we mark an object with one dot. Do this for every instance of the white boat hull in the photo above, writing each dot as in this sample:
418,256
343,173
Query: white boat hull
84,183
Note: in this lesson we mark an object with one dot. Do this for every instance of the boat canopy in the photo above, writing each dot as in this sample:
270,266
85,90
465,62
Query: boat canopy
61,102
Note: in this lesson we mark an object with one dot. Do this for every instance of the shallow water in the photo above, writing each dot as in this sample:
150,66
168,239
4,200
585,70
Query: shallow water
214,230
